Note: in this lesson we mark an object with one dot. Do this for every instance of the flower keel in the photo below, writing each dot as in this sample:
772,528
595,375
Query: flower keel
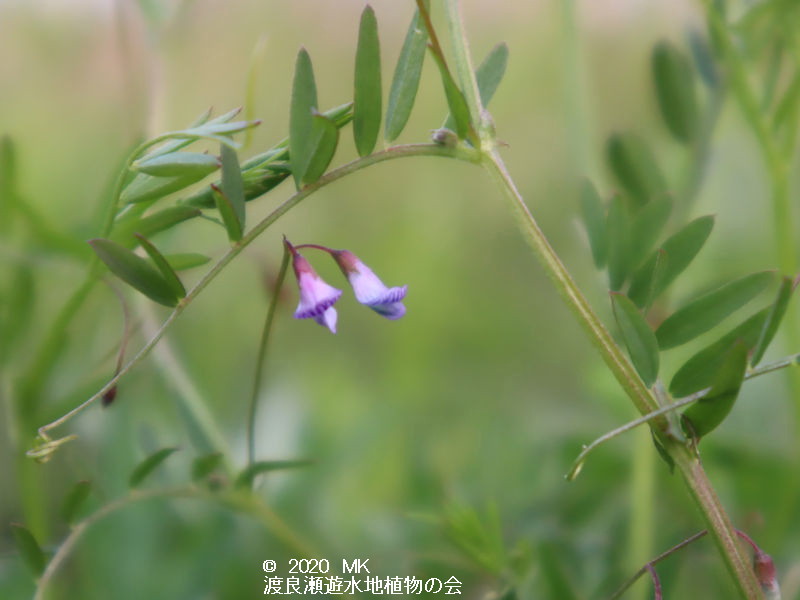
369,289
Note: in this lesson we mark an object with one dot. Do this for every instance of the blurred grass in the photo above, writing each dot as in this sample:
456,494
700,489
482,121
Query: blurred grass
483,393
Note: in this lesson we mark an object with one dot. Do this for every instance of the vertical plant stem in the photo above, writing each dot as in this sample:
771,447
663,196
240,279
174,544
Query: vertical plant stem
262,356
695,477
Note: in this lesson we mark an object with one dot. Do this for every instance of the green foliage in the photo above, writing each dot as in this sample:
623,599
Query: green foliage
246,478
322,146
75,500
301,122
774,318
639,338
367,96
231,185
162,220
178,164
703,313
698,372
233,226
675,91
405,81
633,165
163,266
29,549
706,414
203,466
135,271
148,465
593,214
679,249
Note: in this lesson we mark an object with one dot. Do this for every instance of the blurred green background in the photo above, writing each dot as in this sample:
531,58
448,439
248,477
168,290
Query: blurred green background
478,400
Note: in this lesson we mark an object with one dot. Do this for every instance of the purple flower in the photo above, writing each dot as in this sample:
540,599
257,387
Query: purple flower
370,290
316,297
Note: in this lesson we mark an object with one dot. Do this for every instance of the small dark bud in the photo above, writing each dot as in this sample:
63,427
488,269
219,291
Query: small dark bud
444,137
109,396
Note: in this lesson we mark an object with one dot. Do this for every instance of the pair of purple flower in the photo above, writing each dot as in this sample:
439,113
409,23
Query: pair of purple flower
317,297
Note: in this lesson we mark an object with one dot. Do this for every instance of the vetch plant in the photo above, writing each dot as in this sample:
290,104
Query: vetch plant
641,236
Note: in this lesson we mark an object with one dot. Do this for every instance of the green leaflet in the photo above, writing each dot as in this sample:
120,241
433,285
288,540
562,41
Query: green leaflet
163,266
178,164
29,549
231,184
697,373
324,139
151,224
618,228
183,261
773,319
706,311
203,466
594,219
646,226
148,465
455,100
633,165
246,477
146,187
675,91
638,337
135,271
233,226
680,249
488,77
708,412
367,97
405,81
74,501
304,100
